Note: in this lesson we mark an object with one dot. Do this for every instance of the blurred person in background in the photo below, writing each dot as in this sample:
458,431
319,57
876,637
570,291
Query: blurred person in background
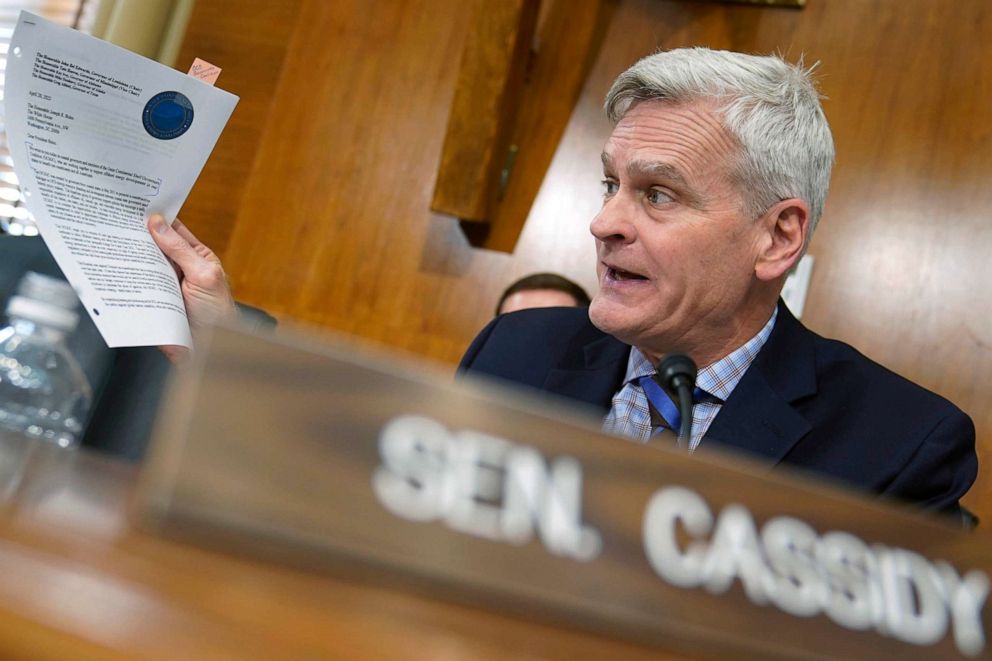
542,290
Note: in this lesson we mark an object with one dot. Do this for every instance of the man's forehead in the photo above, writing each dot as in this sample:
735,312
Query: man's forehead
702,117
662,137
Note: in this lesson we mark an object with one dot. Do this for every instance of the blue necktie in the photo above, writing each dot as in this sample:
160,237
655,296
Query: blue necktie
664,411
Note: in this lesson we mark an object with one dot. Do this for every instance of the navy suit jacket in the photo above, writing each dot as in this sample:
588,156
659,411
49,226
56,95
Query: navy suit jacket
806,401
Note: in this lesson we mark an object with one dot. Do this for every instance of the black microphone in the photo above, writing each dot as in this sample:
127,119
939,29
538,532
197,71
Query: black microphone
678,372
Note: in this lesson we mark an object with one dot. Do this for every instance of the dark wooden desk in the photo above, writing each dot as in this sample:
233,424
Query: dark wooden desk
78,582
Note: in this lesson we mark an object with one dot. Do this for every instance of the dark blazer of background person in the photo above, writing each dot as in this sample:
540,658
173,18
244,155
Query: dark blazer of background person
806,402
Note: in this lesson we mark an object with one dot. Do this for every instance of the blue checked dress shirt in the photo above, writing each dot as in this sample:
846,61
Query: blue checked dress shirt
629,416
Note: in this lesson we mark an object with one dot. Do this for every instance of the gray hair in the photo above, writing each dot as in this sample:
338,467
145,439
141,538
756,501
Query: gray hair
770,106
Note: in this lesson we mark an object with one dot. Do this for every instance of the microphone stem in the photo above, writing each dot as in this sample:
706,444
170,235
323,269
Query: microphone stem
685,410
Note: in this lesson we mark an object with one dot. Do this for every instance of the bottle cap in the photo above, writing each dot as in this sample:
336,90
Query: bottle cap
42,313
46,288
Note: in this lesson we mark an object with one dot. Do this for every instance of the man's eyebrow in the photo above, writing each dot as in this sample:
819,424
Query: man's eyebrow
658,170
669,173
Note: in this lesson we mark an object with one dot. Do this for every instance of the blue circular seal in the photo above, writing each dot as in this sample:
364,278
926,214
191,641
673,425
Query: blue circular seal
167,115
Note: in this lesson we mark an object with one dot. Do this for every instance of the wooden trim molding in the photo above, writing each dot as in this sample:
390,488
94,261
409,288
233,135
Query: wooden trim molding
511,106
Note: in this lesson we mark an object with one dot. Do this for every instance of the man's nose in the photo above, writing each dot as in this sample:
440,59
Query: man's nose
614,222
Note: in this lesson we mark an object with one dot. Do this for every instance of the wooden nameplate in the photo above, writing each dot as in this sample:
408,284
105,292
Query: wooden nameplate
381,467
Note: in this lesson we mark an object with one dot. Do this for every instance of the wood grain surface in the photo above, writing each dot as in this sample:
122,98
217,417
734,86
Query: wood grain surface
570,36
334,227
491,79
248,41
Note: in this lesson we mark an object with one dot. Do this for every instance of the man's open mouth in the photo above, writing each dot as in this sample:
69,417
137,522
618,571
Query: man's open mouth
614,273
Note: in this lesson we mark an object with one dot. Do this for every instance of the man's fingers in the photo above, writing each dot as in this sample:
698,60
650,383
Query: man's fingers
173,245
204,283
184,232
204,287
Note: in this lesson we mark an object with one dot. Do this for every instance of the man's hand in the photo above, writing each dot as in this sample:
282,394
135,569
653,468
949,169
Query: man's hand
201,278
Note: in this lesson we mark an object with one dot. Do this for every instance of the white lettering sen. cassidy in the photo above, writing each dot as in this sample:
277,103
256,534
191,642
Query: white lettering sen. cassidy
483,486
894,591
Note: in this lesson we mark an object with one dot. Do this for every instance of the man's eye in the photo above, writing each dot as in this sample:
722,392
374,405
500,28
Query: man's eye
656,196
610,187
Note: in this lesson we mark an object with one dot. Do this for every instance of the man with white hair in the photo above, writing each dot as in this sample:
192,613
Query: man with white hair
713,178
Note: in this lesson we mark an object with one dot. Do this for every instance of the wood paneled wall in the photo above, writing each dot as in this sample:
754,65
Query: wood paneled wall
324,218
248,40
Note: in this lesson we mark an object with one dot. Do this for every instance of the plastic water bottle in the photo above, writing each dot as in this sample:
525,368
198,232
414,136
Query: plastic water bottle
43,391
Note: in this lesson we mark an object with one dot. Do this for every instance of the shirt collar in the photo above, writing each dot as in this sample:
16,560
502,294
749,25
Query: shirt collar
719,378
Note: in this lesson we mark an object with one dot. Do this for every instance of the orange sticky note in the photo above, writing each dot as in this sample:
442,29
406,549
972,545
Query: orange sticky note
204,71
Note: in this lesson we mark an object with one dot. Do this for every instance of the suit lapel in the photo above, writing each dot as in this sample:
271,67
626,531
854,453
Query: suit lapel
593,374
759,417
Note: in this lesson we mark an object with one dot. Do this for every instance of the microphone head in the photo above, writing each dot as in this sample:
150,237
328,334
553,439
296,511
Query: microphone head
677,369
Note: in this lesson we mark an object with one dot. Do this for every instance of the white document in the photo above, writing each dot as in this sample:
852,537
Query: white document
101,138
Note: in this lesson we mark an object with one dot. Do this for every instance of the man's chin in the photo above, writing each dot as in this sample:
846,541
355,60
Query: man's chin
606,319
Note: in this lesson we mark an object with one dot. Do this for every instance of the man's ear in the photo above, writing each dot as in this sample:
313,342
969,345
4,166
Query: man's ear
787,226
